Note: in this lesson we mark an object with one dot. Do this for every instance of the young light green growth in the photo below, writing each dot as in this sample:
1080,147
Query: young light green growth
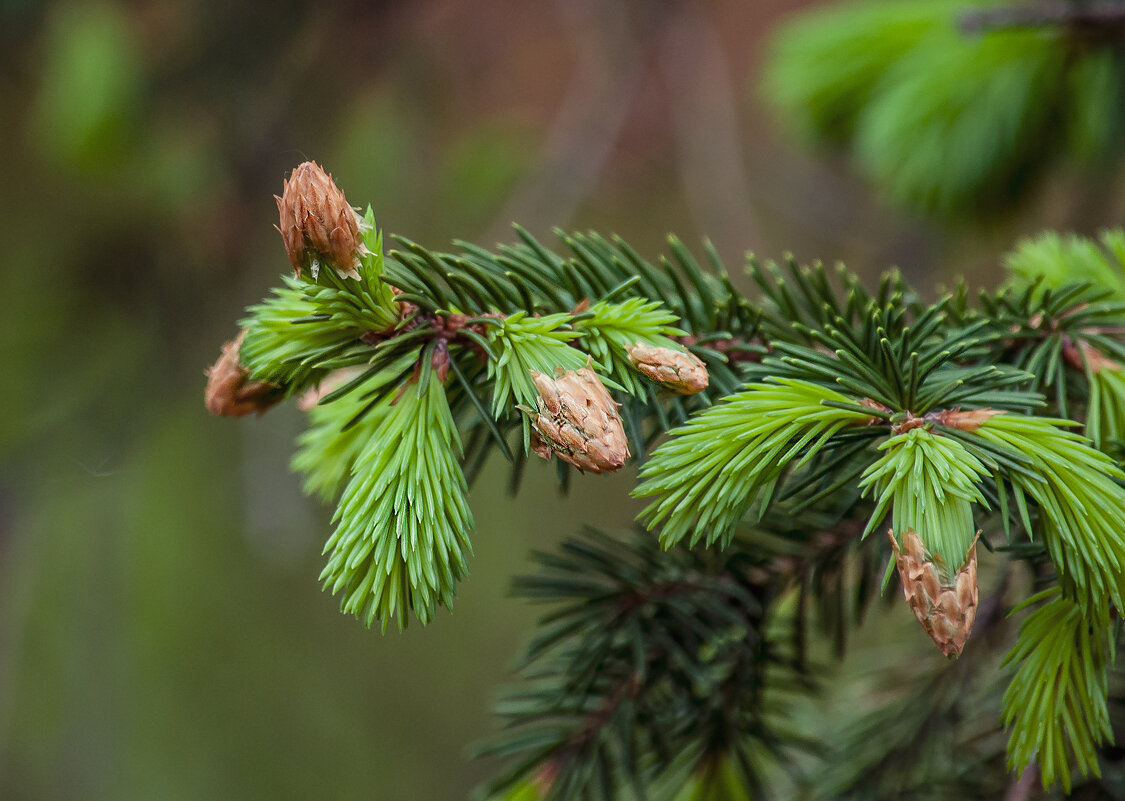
610,329
401,542
1105,416
944,121
1059,259
339,431
526,344
929,483
1056,704
706,477
1081,504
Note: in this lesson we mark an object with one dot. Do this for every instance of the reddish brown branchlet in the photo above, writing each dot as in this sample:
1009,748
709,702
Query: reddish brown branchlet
969,420
1084,356
318,226
945,604
677,370
578,421
229,392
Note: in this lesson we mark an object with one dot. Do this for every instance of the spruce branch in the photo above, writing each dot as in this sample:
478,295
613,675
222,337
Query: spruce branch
486,332
1056,703
706,477
651,668
798,422
1080,503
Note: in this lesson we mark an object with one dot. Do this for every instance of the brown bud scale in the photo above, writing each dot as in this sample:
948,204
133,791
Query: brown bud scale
578,420
945,606
677,370
317,224
229,392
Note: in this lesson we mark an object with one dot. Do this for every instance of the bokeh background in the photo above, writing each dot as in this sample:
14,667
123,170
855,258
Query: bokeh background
162,631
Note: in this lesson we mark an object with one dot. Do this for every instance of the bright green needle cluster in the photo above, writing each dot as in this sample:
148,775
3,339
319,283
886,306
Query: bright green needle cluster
722,460
931,483
1105,415
338,431
1058,259
401,541
524,344
1080,503
944,118
608,329
1056,704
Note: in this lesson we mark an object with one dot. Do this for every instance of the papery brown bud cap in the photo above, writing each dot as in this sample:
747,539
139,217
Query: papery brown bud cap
317,225
333,381
677,370
945,605
578,421
229,393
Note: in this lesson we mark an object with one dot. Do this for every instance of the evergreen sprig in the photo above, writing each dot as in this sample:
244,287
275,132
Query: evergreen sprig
931,483
468,331
1056,704
651,669
402,539
718,463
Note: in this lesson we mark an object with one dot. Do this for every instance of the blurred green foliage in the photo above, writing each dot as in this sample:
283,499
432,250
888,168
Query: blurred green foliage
944,119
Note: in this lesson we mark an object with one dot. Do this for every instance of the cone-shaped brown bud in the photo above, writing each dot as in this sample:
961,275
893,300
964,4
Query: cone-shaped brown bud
318,226
229,393
578,420
677,370
944,604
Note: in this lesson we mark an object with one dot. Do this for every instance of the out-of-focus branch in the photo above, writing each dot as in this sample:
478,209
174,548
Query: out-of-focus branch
702,108
582,136
1022,788
1082,15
